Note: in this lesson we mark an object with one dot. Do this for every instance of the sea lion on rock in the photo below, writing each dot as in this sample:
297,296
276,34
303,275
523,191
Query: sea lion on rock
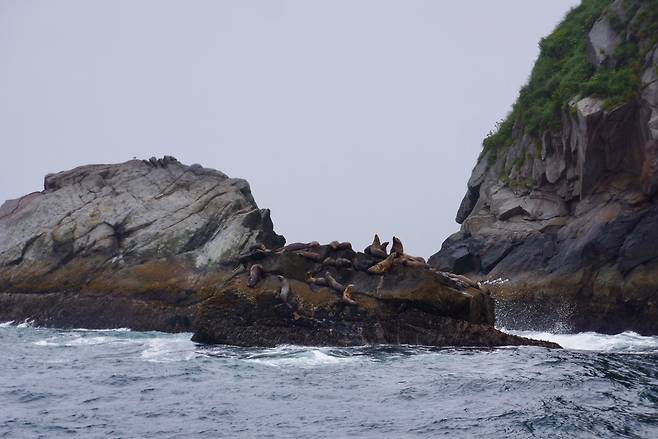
383,266
347,295
464,279
284,293
333,283
335,245
310,255
343,263
255,275
375,249
320,281
397,246
297,246
331,262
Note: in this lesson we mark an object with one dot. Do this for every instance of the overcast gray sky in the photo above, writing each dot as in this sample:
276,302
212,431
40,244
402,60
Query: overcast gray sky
347,117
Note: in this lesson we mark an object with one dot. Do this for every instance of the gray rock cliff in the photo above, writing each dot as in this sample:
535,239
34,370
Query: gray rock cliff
564,222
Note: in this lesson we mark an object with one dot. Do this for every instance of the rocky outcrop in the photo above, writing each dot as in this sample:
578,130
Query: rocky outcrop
404,305
157,245
124,245
563,222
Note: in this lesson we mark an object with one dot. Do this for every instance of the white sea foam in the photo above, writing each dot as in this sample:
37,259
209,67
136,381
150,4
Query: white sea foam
102,330
167,349
69,341
6,324
291,356
626,342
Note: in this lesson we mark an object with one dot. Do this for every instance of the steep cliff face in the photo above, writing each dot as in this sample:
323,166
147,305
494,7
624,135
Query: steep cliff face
121,245
561,207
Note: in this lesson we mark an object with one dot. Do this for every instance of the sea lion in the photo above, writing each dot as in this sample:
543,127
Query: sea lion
343,263
284,293
335,245
320,281
252,255
256,247
333,283
464,279
255,275
375,249
296,246
397,246
331,262
310,255
383,266
347,295
383,246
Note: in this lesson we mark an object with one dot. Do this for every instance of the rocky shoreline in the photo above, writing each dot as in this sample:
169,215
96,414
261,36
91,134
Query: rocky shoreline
158,245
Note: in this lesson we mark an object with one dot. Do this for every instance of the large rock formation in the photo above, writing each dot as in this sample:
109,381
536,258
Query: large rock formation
122,245
564,220
157,245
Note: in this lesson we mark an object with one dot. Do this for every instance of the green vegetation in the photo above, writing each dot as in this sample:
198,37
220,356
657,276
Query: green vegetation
562,70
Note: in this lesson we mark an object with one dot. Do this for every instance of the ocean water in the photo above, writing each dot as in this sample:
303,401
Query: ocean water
123,384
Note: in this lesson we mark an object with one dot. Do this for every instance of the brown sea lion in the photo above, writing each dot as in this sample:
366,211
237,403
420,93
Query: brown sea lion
255,275
397,246
375,249
347,295
331,262
464,279
284,292
343,263
383,246
333,283
297,246
335,245
344,246
260,247
383,266
320,281
310,255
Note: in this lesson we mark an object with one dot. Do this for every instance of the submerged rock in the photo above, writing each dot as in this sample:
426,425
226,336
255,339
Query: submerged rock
157,245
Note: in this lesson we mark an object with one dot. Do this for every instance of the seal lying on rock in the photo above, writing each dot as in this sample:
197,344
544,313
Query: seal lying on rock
297,246
343,263
383,266
335,245
310,255
320,281
284,293
347,295
255,275
375,249
333,283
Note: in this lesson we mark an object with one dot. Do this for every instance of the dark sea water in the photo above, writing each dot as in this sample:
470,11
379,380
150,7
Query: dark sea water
77,383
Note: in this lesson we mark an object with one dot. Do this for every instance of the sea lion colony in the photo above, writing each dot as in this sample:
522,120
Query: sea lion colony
374,260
